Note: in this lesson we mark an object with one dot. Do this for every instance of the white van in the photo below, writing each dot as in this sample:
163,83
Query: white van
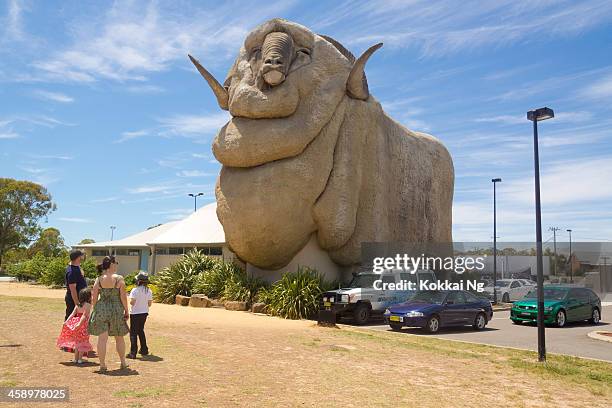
368,293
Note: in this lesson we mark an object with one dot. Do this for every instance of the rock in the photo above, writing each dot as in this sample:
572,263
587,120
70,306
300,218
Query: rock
259,308
199,300
218,303
182,300
315,138
236,305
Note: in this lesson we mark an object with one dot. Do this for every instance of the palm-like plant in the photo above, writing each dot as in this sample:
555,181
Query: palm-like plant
296,295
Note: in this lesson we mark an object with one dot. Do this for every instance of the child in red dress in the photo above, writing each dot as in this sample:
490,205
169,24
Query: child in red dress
74,333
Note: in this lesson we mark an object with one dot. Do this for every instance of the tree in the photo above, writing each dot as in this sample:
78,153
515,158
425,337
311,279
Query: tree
50,243
22,205
85,241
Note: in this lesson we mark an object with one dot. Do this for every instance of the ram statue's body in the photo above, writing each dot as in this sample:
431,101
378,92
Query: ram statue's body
309,151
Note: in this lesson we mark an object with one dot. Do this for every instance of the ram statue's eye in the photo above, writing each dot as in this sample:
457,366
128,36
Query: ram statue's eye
304,51
255,52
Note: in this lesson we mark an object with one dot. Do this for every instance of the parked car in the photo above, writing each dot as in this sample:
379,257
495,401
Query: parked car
359,300
561,305
509,290
433,309
528,282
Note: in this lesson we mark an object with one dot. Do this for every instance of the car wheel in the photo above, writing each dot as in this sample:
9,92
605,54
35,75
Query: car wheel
595,316
480,322
516,321
433,324
361,314
506,298
560,319
396,327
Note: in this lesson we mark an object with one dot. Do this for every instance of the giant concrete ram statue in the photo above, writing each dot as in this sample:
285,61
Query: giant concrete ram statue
309,151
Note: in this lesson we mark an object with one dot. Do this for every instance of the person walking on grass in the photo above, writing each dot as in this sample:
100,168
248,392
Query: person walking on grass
74,335
75,281
141,298
110,310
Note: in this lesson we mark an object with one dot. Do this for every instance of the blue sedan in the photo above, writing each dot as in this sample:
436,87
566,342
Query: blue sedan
433,309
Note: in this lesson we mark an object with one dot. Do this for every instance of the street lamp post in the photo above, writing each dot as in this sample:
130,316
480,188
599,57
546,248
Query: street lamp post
495,181
554,231
535,116
570,256
195,200
113,228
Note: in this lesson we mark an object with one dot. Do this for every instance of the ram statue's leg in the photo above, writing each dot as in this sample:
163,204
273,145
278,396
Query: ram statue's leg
335,211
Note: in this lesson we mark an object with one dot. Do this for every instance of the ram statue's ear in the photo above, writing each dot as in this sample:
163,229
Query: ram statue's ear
302,57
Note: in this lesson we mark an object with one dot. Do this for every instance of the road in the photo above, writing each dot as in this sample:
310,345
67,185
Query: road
500,331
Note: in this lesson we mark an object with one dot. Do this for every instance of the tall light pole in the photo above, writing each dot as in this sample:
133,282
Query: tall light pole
554,231
495,181
535,116
195,200
570,256
112,228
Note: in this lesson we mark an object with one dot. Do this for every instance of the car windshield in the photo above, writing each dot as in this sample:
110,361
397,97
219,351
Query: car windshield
364,281
429,296
502,283
549,294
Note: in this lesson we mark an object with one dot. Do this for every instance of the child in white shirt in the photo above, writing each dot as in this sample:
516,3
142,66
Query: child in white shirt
141,299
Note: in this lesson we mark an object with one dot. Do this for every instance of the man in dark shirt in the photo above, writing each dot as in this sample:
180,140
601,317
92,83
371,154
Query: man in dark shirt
75,281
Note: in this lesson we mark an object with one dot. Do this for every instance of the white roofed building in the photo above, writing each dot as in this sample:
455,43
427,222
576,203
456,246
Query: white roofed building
155,248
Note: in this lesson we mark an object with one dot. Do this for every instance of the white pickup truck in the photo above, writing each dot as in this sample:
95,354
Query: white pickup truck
368,293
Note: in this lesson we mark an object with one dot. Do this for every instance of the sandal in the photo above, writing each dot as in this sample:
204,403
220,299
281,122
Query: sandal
103,369
124,366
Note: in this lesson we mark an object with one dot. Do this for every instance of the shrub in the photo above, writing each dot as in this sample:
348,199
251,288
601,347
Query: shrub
180,277
212,282
296,295
90,269
54,273
239,286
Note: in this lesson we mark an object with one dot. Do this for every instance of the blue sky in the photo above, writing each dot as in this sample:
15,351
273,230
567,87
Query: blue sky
99,102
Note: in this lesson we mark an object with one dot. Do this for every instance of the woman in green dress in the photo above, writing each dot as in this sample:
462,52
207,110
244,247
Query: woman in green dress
110,310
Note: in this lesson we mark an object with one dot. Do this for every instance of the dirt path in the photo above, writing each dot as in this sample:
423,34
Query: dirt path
217,358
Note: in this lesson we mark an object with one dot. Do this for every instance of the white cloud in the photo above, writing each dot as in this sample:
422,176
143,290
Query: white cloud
104,200
8,135
599,89
447,27
563,117
195,173
76,220
54,96
129,135
131,42
51,157
193,124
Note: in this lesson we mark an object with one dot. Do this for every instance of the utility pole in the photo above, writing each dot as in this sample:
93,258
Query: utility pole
570,257
602,273
554,231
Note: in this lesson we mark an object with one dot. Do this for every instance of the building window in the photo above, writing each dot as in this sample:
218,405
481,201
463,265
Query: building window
99,252
121,252
175,251
133,252
161,251
217,251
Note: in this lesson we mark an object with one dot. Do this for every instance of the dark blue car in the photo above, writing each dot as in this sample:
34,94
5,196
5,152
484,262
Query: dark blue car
433,309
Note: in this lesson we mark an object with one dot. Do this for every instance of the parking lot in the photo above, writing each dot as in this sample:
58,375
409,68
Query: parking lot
500,331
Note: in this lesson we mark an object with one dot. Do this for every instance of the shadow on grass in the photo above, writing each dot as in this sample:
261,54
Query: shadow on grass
151,358
83,364
120,372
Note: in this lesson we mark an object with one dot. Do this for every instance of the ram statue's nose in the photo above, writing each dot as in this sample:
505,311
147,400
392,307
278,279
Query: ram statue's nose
277,51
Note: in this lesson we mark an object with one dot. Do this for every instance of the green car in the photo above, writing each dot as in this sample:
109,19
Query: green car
561,305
